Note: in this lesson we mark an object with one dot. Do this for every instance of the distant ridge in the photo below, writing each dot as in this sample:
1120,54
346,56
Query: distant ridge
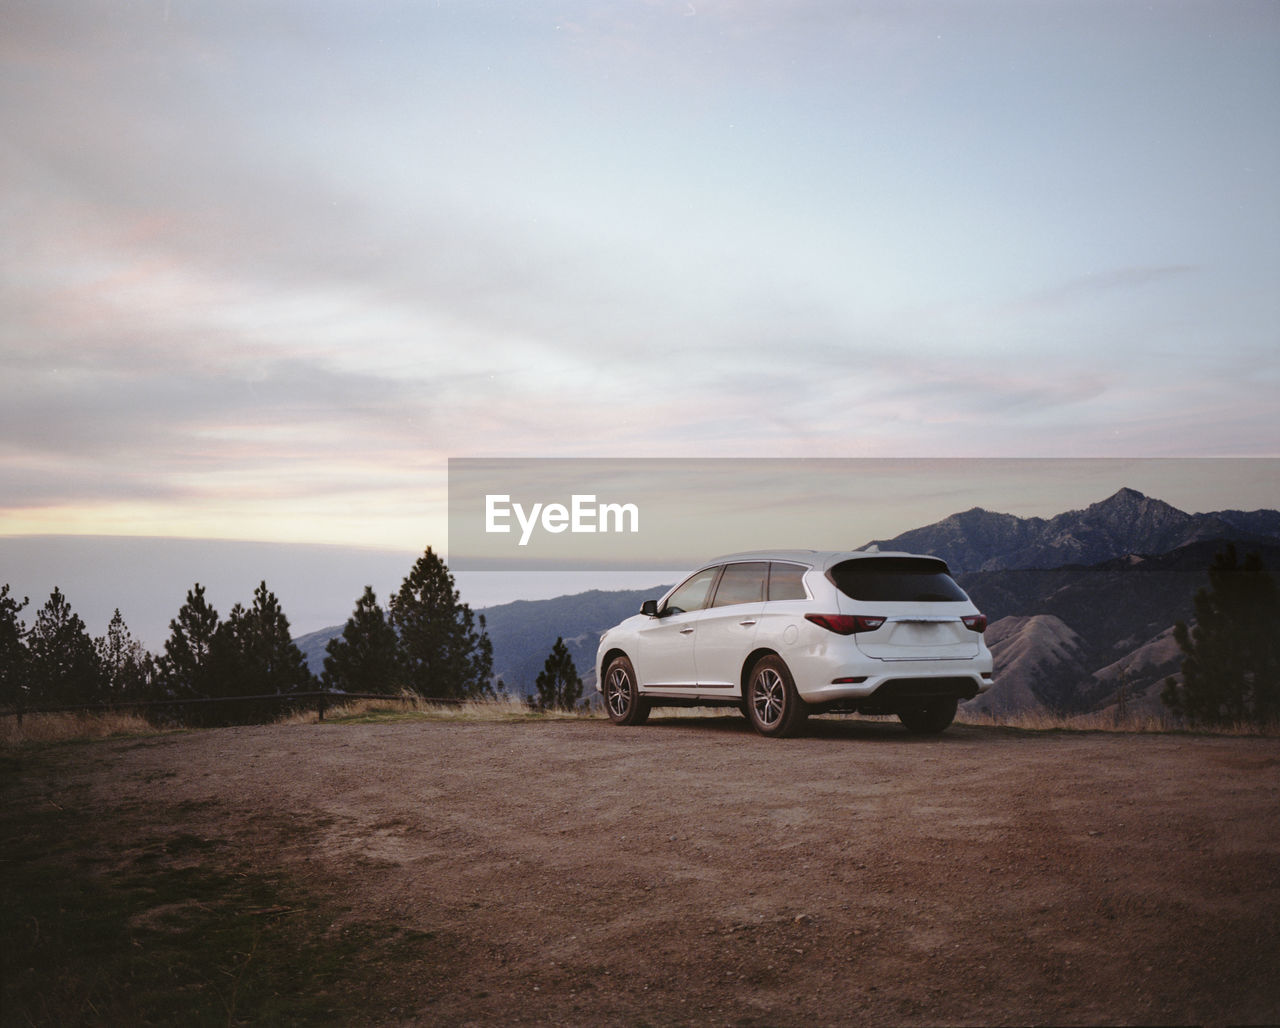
523,632
1126,523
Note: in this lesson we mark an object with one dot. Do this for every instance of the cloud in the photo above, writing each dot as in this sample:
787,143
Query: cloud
1113,280
289,253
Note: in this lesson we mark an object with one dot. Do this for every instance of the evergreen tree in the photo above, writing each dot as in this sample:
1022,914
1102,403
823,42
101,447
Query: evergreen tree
13,651
64,666
558,683
443,651
186,667
251,654
128,669
1231,663
254,654
226,657
365,658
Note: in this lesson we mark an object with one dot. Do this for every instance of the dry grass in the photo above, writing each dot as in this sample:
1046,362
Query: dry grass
409,705
61,727
505,708
66,726
1046,721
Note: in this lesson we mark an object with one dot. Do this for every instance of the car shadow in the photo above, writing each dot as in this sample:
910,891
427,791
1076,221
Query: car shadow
853,728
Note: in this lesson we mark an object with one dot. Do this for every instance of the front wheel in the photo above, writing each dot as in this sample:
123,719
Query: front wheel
931,717
622,699
773,706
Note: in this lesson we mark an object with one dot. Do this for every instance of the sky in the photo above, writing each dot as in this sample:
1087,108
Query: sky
266,266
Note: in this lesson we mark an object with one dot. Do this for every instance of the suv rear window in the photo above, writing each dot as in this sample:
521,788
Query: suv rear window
913,579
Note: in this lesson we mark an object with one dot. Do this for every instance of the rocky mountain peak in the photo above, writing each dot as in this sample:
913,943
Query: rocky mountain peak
1130,508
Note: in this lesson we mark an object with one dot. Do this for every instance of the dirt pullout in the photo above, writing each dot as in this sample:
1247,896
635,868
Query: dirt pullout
691,872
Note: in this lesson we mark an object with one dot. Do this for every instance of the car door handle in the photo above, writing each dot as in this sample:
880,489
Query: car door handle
686,631
747,624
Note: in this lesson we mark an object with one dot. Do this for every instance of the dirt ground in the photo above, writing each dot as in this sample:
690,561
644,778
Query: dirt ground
691,872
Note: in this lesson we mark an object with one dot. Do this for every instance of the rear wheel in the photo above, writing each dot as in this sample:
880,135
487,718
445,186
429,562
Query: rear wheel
774,708
931,716
622,699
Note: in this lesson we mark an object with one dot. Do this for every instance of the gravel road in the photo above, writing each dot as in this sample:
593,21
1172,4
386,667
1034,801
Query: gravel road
689,871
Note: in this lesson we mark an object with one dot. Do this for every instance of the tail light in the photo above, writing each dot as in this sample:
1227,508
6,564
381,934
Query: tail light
846,624
975,622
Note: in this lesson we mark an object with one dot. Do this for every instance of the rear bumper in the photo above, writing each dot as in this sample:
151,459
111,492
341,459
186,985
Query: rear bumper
885,693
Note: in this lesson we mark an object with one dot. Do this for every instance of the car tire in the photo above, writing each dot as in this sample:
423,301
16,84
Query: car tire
931,717
622,700
774,708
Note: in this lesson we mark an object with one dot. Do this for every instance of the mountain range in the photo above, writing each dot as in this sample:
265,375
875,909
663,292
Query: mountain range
1081,606
1125,523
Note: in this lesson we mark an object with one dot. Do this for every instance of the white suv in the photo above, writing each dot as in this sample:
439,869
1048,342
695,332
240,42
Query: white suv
786,633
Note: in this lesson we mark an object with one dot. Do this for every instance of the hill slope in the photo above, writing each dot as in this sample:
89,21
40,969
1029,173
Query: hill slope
1117,609
1038,660
523,632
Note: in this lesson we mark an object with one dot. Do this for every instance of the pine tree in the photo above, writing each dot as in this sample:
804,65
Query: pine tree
558,683
13,651
443,651
251,654
365,658
254,654
226,657
64,665
128,669
186,667
1231,663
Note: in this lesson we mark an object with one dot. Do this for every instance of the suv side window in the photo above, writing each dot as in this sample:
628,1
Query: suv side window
741,583
786,581
693,593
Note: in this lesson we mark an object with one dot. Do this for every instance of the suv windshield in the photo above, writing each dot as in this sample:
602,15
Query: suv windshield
913,579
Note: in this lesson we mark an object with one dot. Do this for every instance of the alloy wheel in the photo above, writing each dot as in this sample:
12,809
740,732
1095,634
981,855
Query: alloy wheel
768,697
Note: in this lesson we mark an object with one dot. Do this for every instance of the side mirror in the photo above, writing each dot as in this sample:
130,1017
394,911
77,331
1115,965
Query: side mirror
649,608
